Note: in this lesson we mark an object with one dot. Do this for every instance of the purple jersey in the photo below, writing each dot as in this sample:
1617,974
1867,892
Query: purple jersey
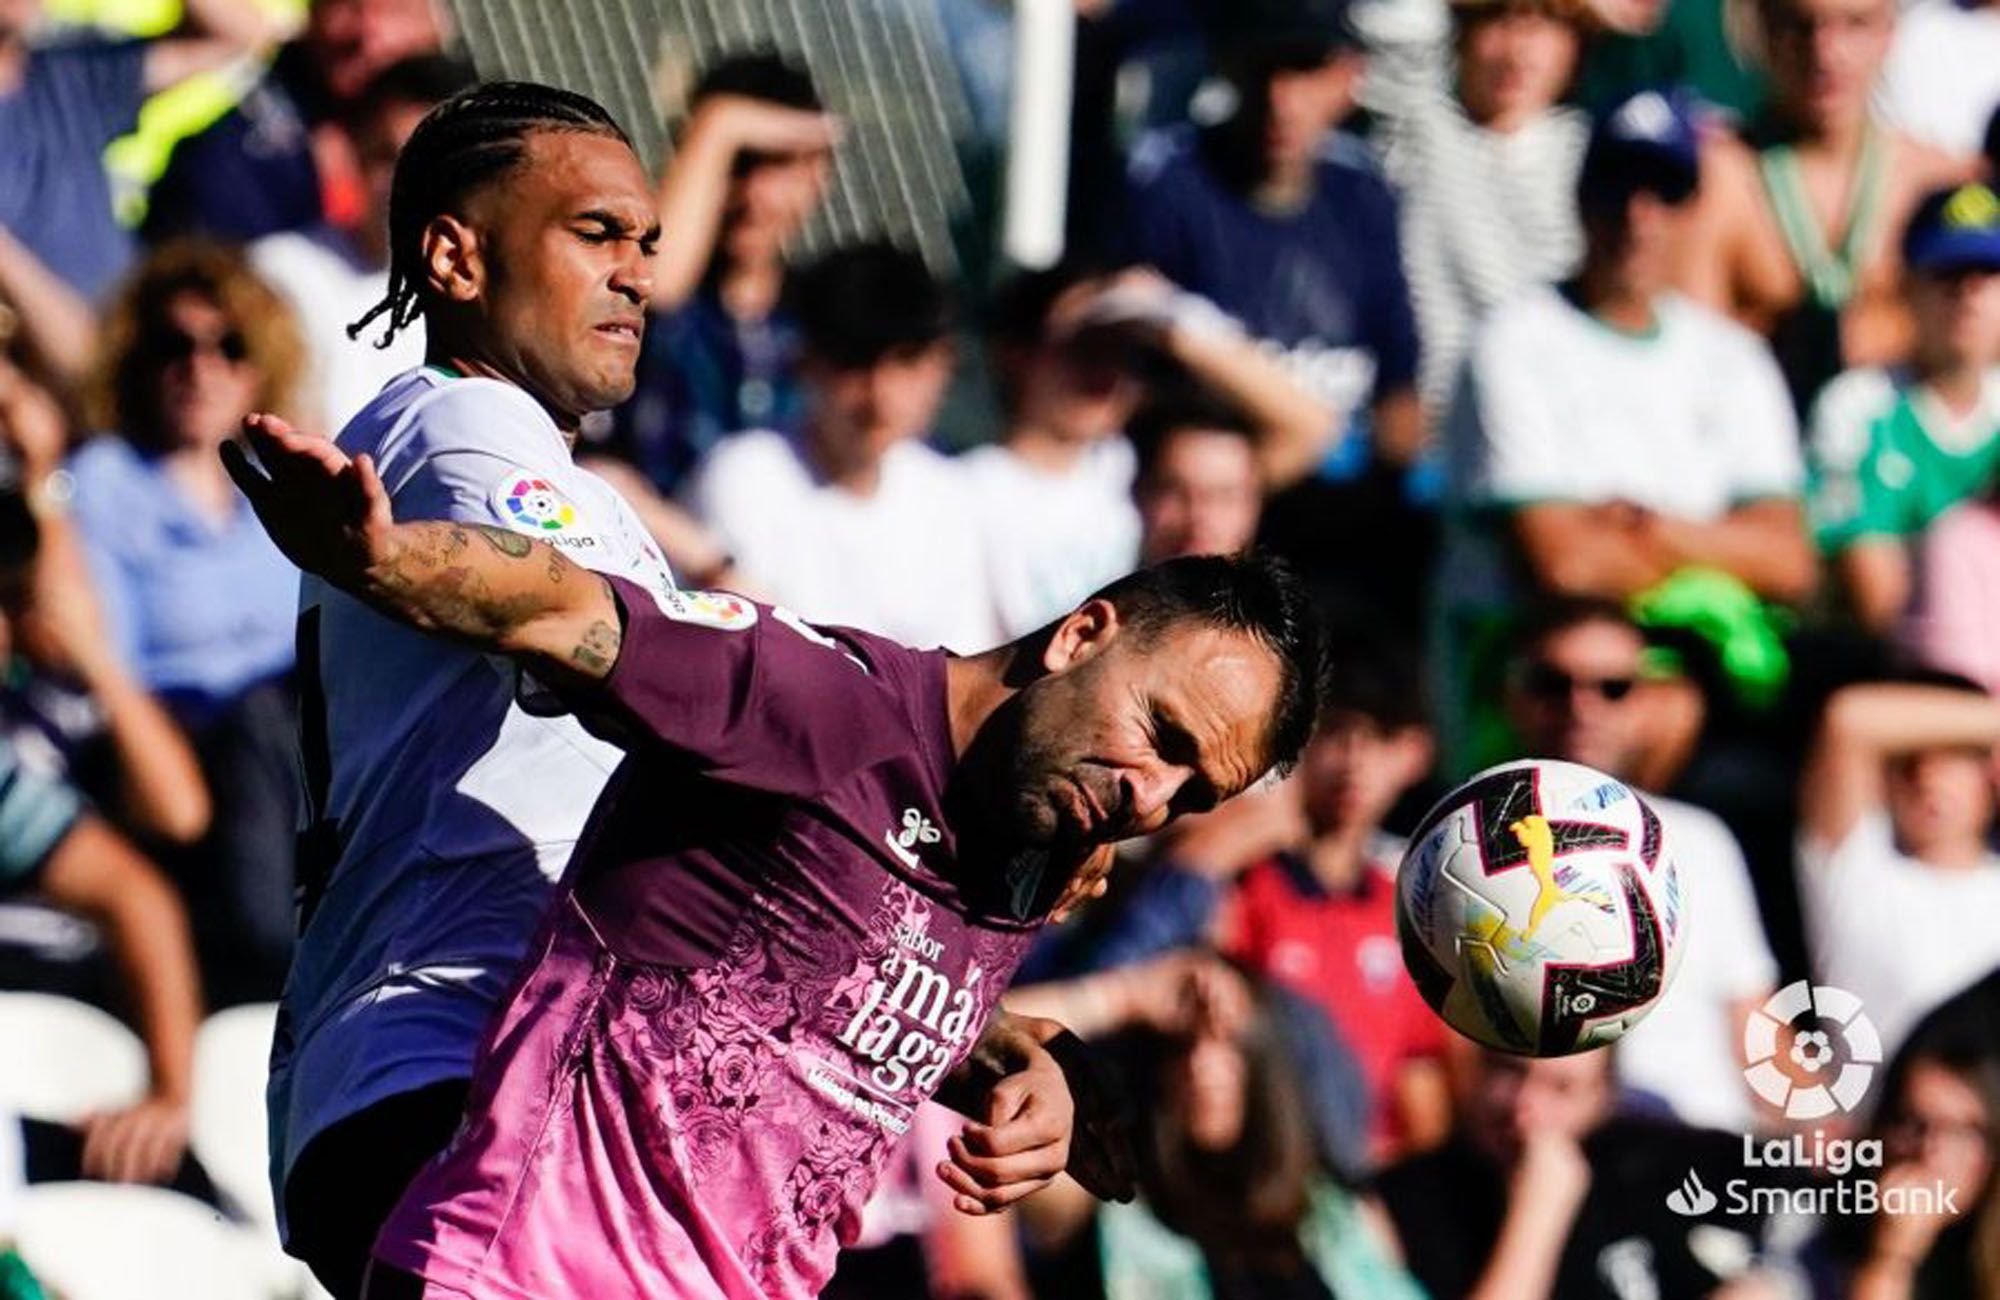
736,1006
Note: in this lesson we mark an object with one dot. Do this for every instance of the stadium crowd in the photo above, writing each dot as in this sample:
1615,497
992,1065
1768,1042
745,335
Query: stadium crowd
1622,375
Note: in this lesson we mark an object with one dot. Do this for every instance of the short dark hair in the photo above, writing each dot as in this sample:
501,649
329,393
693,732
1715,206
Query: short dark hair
858,304
466,143
20,533
1254,593
763,74
1019,316
419,79
1177,408
1554,615
1370,675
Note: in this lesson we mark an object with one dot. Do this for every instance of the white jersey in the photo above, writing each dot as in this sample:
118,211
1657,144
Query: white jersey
442,811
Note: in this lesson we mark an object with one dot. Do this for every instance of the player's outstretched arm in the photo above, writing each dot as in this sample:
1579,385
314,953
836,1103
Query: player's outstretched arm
489,588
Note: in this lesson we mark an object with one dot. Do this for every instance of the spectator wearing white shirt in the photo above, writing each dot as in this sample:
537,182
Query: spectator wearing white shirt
1941,84
855,520
1897,878
1076,352
1575,692
1487,167
332,274
1608,434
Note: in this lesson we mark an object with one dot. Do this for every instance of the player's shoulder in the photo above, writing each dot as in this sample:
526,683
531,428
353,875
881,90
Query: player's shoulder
423,413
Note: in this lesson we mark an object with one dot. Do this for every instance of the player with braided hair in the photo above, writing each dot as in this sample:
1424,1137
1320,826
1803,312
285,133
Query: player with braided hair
442,800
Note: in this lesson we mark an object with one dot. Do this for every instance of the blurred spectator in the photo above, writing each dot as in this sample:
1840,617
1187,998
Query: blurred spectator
1072,351
1892,449
51,844
1487,171
1939,1123
1941,84
61,104
1575,692
1234,1201
1196,480
721,349
285,157
1545,1192
197,600
331,275
1610,434
855,520
1897,880
1954,617
1697,44
1797,230
1287,225
69,707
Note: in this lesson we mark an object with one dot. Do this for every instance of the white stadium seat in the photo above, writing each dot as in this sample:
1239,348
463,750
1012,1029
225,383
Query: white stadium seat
103,1241
66,1059
232,1059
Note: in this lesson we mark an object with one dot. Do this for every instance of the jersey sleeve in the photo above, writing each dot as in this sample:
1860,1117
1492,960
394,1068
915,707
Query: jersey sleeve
750,694
36,813
483,453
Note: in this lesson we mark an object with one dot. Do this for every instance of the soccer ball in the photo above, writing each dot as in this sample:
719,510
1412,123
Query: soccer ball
1540,908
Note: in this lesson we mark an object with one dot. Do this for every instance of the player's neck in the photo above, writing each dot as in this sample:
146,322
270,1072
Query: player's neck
975,687
465,363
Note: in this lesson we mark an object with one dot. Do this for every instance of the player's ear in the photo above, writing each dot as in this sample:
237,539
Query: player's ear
453,260
1082,634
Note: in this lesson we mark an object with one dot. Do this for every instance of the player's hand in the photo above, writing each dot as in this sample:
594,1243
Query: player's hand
329,514
1024,1142
1088,881
140,1144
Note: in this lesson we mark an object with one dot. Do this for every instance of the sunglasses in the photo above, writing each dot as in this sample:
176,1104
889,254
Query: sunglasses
1549,683
179,345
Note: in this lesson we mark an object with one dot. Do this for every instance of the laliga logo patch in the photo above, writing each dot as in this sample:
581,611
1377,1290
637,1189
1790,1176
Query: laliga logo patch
533,504
1795,1082
721,610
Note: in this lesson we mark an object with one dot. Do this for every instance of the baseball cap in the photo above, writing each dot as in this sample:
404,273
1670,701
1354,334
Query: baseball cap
1290,32
1648,142
1954,229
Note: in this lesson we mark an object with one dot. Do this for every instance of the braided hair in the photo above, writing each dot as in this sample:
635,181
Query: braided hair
470,140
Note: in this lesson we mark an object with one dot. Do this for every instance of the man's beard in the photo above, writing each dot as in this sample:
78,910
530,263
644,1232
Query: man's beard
1010,837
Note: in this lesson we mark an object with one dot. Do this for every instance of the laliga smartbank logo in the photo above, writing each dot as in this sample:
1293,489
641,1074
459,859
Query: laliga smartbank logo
1805,1073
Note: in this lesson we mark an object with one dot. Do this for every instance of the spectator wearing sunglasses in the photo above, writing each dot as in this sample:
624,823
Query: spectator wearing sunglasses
1608,434
1575,692
197,601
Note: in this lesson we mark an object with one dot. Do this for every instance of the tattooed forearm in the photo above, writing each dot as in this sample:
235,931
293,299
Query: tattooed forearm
510,595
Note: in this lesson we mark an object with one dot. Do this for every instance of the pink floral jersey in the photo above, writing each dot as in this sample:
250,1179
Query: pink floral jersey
766,956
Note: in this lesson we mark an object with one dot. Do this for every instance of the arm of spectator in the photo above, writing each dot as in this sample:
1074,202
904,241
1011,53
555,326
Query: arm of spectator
1875,571
1545,1192
1399,426
1588,550
212,34
160,779
1863,727
1420,1094
698,556
695,187
96,872
1763,543
978,1257
56,322
1722,211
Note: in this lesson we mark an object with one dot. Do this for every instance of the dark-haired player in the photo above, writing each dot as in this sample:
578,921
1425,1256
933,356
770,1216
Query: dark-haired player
801,896
520,230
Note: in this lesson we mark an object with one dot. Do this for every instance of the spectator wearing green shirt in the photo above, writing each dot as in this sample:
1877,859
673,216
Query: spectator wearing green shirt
1892,449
